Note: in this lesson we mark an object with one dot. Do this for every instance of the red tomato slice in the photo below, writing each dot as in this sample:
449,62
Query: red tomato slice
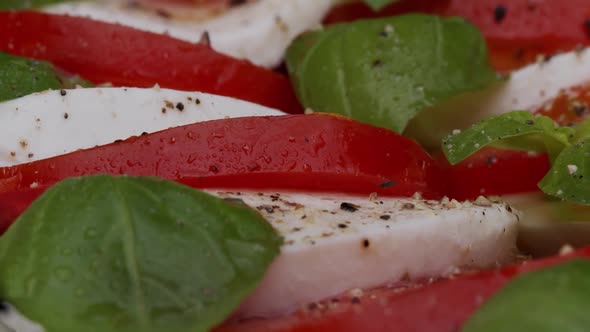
123,56
570,107
300,152
438,307
516,30
493,171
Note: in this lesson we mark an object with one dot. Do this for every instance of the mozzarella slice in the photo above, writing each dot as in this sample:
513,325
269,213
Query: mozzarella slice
525,89
337,243
51,123
12,321
259,31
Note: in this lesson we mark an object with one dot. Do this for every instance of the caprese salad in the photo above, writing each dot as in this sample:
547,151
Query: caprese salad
294,165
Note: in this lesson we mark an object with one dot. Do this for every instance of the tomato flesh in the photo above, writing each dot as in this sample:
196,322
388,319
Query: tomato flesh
570,107
123,56
516,31
300,152
442,306
492,171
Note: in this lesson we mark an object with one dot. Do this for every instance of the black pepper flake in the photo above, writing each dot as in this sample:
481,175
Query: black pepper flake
408,206
342,226
163,110
205,39
385,217
30,155
237,2
580,110
214,169
144,133
267,208
180,106
163,14
530,122
12,154
3,306
500,13
349,207
355,300
66,116
366,243
491,160
312,306
377,63
63,92
587,26
387,184
508,208
197,101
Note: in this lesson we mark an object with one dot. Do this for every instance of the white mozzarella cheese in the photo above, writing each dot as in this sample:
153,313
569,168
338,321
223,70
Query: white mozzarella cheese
12,321
525,89
51,123
337,243
259,31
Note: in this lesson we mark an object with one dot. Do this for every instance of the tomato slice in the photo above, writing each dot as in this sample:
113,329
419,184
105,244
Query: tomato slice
441,306
123,56
492,171
516,30
299,152
570,107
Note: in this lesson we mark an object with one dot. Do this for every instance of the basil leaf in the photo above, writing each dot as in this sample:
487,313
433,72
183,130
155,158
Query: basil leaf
519,129
385,71
129,254
22,76
26,4
552,299
569,177
378,4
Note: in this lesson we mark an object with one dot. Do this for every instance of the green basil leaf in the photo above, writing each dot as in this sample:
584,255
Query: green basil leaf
378,4
385,71
519,129
26,4
22,76
552,299
569,177
129,254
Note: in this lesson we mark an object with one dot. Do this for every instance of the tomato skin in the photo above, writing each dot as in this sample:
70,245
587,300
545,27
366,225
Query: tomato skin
492,171
12,204
102,52
302,152
526,28
442,306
